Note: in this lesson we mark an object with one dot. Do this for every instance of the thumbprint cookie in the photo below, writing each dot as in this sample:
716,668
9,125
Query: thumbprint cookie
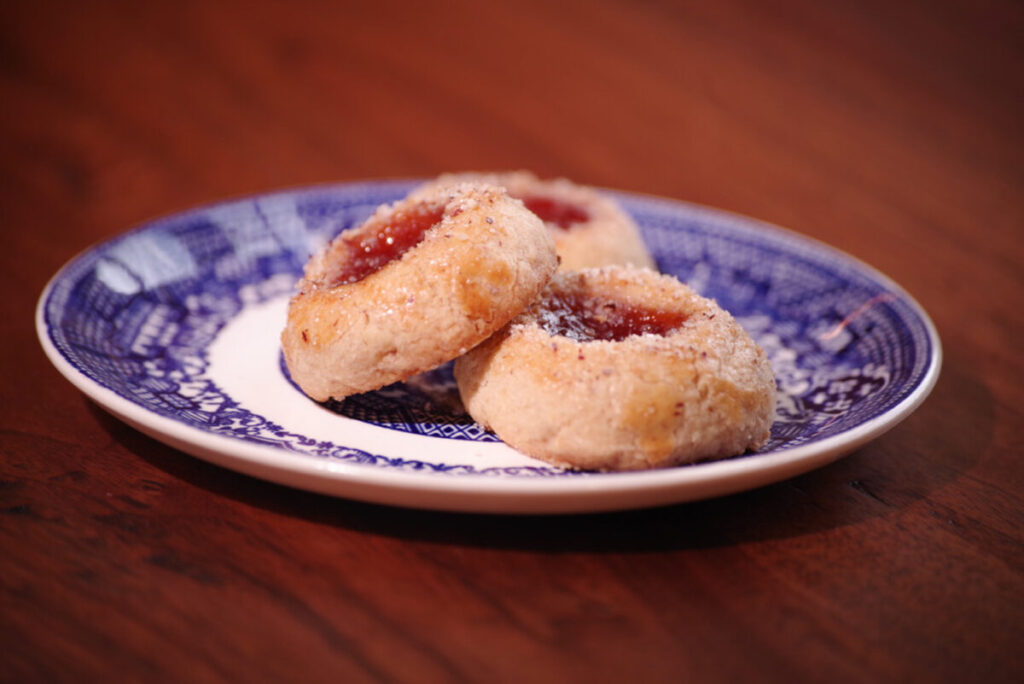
621,369
417,284
589,228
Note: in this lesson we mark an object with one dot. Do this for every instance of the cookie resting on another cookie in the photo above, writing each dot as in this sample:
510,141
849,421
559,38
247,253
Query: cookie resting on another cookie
419,283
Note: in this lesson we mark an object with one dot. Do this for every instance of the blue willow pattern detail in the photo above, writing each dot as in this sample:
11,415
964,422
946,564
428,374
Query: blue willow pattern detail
137,315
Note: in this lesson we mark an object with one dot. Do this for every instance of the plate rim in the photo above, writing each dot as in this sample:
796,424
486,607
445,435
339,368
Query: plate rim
596,492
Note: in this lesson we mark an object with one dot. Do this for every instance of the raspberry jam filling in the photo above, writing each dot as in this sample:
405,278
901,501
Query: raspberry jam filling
551,210
586,318
367,251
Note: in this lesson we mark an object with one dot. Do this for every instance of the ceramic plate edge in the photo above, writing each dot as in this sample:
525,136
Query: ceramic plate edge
504,494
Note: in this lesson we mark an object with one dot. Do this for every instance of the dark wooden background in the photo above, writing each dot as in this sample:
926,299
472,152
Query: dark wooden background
892,130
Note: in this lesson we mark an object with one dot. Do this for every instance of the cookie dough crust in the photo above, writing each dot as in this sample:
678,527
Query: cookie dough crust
703,391
480,265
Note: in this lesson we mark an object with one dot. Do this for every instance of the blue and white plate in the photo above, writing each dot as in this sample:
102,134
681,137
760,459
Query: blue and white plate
173,327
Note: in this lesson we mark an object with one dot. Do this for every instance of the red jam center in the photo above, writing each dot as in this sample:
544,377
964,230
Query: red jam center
551,210
367,251
583,318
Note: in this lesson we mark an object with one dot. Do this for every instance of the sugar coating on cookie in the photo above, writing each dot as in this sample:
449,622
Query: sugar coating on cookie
621,369
589,228
420,282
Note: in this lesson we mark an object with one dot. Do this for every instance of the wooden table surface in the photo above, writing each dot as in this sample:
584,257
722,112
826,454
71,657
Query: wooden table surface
889,130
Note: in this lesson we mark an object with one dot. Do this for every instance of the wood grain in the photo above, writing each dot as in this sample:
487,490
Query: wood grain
890,130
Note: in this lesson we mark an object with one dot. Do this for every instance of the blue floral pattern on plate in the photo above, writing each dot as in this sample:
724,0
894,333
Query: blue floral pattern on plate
138,314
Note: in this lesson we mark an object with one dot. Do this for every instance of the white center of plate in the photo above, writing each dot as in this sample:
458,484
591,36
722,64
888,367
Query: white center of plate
244,362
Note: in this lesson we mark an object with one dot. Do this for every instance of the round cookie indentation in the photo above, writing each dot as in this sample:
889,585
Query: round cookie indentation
555,211
378,243
587,317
